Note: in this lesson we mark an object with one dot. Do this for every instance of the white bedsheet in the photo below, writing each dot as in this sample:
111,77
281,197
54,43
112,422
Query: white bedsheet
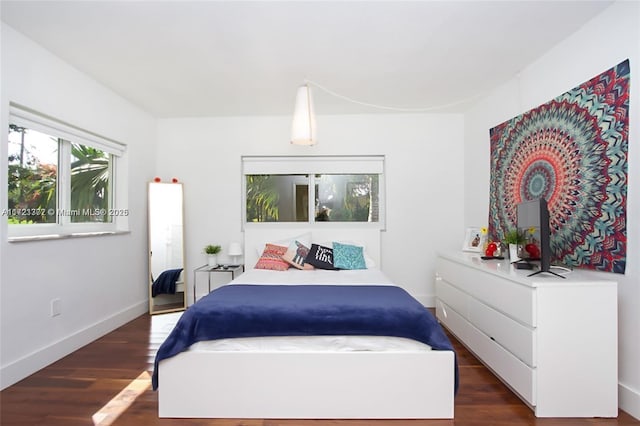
312,343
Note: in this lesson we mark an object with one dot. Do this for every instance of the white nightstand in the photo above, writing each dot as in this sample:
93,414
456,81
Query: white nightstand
217,276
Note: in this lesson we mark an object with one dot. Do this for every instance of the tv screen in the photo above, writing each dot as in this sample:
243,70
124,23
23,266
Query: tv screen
533,222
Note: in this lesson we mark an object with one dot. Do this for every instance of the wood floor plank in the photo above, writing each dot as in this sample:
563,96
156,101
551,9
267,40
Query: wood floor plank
71,390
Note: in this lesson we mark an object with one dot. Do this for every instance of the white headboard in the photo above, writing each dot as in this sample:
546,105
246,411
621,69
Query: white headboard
256,235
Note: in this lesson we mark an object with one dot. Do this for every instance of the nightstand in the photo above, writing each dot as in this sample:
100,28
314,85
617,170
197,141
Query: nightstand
216,276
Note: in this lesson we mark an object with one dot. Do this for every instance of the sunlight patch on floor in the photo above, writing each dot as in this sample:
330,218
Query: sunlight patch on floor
119,404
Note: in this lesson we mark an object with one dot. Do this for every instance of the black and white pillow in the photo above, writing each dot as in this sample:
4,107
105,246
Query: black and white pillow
321,257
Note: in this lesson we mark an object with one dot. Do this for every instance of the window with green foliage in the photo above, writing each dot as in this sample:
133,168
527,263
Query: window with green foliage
326,196
33,176
90,184
277,198
347,198
60,178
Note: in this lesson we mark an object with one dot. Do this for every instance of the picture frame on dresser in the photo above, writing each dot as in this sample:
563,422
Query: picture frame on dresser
474,239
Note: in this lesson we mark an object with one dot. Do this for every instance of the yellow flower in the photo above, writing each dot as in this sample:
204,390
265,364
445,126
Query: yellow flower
532,230
483,230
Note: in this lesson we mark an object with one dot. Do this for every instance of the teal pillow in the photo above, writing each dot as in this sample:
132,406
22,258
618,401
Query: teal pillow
346,256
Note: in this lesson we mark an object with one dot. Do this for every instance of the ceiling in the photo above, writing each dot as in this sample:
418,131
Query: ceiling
217,58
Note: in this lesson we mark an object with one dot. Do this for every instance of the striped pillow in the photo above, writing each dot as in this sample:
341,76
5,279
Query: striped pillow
271,258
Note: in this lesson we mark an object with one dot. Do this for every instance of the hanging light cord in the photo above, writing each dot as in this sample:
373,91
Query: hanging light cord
391,108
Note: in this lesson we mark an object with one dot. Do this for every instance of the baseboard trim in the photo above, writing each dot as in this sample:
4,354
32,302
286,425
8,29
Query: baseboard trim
29,364
428,300
629,400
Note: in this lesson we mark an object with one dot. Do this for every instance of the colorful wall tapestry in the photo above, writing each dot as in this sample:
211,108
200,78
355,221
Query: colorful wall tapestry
573,152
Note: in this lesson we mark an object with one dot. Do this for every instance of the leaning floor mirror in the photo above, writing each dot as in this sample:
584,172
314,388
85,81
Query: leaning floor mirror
167,278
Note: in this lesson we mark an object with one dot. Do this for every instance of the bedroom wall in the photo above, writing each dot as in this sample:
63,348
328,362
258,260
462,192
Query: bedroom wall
602,43
101,281
423,179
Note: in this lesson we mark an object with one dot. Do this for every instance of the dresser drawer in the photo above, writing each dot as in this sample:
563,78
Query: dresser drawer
515,337
452,296
513,299
452,320
519,376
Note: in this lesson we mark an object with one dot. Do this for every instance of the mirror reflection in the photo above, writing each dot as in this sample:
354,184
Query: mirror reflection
167,278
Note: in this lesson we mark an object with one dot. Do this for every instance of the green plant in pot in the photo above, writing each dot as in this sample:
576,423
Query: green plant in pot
212,251
514,239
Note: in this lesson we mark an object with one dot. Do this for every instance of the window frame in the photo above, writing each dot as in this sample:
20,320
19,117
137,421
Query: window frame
66,135
311,166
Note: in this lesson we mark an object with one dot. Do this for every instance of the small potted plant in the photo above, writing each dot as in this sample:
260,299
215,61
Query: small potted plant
212,254
514,239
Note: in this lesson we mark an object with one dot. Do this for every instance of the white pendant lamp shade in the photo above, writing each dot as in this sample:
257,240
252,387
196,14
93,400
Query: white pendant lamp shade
303,129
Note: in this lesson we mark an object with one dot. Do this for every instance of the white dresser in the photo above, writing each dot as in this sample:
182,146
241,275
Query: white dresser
553,341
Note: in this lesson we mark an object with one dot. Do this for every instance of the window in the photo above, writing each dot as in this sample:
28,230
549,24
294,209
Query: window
61,179
331,189
347,198
277,198
33,176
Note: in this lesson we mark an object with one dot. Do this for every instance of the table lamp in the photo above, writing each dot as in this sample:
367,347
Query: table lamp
235,250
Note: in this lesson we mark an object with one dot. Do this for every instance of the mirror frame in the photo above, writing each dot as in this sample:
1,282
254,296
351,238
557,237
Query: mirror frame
164,303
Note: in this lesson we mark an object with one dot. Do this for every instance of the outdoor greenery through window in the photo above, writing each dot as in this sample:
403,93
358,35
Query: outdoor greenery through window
90,182
347,198
57,178
337,198
33,176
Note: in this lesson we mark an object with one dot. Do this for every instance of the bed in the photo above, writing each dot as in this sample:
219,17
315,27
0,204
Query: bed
330,370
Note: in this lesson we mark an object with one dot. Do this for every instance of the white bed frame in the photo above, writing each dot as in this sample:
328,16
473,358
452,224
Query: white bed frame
320,385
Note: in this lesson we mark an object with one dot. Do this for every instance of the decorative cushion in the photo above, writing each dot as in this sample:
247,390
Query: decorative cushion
296,254
346,256
367,258
303,238
271,258
321,257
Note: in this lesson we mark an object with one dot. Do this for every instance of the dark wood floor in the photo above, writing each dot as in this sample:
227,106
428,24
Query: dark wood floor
71,390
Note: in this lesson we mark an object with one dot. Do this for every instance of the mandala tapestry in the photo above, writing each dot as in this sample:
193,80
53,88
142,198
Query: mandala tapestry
573,152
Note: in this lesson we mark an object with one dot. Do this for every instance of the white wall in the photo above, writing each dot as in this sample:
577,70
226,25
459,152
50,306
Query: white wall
604,42
101,281
423,179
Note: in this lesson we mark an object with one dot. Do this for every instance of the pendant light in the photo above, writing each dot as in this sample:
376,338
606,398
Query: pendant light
303,129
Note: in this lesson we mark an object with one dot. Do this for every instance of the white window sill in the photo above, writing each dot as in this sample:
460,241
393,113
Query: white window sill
27,238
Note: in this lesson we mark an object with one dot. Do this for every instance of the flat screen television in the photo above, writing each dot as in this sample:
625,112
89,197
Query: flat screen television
533,222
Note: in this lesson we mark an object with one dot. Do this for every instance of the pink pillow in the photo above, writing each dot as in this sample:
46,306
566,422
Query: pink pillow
272,258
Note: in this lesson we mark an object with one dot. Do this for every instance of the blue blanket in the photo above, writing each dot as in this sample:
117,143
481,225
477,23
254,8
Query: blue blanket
303,310
166,282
